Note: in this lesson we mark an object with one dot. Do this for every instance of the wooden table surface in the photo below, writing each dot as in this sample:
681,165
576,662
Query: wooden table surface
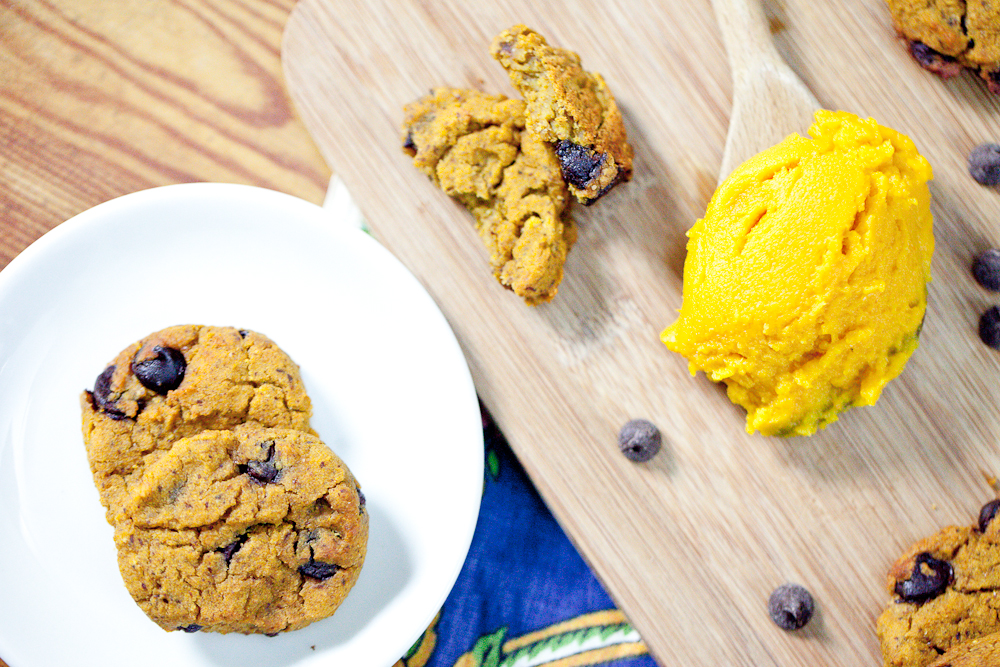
96,103
691,544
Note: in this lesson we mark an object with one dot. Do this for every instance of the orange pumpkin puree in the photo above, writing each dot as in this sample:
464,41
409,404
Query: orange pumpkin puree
805,282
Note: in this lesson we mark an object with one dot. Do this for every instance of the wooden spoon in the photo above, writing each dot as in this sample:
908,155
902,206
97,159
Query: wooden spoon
769,100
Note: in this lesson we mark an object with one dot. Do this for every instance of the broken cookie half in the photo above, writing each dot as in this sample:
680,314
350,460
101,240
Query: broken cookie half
946,37
513,163
570,108
474,146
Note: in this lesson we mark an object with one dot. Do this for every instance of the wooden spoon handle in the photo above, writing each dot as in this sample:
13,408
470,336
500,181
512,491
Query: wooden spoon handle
769,100
746,34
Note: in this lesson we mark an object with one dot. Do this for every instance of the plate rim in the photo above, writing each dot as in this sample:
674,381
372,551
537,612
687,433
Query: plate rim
20,268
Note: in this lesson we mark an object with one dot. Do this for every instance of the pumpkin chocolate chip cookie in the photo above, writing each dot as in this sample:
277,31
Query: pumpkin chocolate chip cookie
230,514
474,147
252,530
570,108
945,610
947,36
513,163
179,382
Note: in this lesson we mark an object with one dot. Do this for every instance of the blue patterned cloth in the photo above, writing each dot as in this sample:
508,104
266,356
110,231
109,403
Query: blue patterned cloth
524,597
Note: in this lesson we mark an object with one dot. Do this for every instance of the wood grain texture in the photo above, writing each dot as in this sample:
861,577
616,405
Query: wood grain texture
101,99
97,102
692,543
769,100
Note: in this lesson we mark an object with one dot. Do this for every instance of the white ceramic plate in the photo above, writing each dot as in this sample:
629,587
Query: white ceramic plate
391,392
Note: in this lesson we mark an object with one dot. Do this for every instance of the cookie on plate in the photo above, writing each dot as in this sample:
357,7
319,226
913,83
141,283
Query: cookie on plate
570,108
251,530
945,36
945,608
179,382
474,147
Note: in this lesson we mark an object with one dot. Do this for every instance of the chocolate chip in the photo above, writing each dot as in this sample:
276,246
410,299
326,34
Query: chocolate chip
993,82
925,55
790,606
986,269
230,549
162,372
934,61
361,499
265,471
986,514
101,396
244,333
194,627
580,165
409,147
639,440
984,164
989,327
318,569
929,579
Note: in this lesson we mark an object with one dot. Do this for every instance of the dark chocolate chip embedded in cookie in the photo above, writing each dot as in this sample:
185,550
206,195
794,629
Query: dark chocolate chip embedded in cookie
945,36
945,609
251,530
570,108
179,382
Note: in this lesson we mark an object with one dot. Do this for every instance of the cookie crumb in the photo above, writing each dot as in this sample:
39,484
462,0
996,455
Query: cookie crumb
791,606
639,440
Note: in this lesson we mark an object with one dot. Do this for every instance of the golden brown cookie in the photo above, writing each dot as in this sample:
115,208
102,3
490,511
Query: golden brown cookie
984,652
945,36
474,147
945,597
179,382
251,530
570,108
230,515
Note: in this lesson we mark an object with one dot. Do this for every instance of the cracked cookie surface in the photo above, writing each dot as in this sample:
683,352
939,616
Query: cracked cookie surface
569,108
230,515
252,530
945,610
475,148
945,36
222,377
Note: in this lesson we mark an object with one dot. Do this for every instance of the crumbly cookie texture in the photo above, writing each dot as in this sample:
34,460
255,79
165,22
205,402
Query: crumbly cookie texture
251,530
230,514
945,36
570,108
945,609
474,147
223,376
983,652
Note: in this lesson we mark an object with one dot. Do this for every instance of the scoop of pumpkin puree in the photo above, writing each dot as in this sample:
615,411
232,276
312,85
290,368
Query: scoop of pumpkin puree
805,282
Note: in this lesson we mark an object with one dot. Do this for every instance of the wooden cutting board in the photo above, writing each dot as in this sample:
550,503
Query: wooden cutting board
692,543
